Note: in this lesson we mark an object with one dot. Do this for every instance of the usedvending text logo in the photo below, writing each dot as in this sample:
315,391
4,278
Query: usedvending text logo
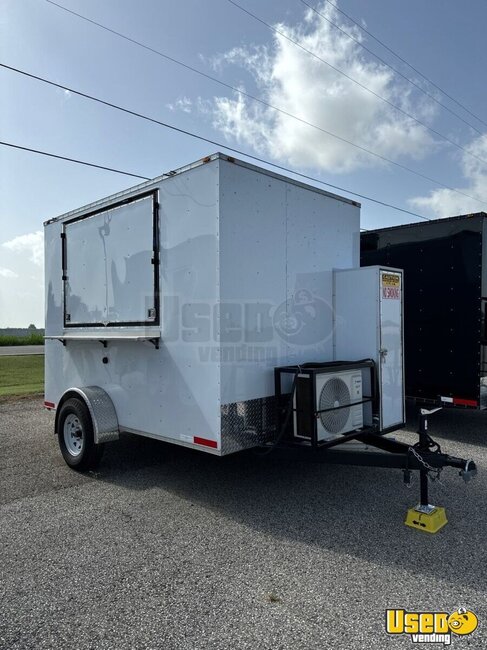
431,627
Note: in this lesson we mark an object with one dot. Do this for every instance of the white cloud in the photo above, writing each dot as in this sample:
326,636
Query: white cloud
7,273
22,281
32,244
291,79
183,104
448,203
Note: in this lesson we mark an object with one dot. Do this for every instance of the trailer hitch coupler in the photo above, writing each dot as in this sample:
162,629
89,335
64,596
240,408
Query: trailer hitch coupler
469,471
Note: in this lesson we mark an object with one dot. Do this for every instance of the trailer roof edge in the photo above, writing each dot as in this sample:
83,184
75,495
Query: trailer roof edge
469,215
189,167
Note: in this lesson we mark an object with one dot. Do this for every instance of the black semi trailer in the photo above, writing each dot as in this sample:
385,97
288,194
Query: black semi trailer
445,296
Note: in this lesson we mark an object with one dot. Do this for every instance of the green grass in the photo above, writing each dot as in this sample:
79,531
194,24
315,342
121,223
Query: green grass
31,339
21,375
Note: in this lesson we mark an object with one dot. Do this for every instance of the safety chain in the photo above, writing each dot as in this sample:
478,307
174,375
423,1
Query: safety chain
434,472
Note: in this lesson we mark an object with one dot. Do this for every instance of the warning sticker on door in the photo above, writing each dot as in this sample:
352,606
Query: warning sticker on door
391,286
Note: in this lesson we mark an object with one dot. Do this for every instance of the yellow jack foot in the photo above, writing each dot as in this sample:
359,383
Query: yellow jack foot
430,519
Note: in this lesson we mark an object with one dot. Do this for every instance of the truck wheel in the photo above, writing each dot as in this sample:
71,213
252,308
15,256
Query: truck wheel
75,436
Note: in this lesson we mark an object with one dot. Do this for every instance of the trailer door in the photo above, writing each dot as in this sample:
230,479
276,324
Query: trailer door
110,268
391,370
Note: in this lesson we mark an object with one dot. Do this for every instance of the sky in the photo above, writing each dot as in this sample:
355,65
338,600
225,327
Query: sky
443,39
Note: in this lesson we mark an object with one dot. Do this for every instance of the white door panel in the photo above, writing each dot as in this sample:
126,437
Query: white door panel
391,356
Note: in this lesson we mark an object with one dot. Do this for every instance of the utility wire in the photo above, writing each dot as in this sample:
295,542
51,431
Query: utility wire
267,104
358,83
258,99
215,142
146,178
240,91
406,63
73,160
384,62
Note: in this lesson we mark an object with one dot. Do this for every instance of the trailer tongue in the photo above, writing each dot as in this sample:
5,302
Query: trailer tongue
373,448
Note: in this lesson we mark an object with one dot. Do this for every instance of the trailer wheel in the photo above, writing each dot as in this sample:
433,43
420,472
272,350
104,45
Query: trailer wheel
75,436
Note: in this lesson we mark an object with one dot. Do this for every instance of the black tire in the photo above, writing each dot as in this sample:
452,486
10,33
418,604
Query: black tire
75,436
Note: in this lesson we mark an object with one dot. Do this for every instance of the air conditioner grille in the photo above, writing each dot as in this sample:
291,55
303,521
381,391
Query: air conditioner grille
334,393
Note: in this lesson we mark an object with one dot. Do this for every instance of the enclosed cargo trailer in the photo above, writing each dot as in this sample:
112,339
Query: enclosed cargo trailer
178,298
222,307
445,293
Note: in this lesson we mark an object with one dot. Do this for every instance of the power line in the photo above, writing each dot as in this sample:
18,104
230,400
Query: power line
239,152
146,178
261,101
358,83
73,160
384,62
421,74
267,104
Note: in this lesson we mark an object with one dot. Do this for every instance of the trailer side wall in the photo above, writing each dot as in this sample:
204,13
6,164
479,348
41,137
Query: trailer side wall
279,244
164,392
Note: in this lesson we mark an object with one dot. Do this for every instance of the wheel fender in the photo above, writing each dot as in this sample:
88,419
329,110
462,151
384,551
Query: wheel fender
101,408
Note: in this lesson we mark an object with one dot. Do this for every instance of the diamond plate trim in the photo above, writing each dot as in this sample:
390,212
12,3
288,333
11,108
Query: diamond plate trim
247,424
102,411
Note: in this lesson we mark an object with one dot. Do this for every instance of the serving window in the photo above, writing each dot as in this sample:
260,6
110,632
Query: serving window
110,265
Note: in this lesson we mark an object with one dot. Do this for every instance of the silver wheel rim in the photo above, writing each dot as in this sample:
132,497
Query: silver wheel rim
73,435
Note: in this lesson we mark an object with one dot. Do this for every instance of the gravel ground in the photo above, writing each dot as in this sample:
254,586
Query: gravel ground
169,548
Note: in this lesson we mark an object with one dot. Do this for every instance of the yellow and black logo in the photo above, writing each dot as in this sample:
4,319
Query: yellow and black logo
431,627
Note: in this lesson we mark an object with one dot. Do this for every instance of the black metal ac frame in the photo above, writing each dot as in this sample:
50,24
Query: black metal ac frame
308,371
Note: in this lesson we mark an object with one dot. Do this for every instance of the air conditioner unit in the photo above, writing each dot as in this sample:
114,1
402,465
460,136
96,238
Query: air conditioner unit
336,397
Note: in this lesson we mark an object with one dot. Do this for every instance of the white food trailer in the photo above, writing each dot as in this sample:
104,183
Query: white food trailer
206,306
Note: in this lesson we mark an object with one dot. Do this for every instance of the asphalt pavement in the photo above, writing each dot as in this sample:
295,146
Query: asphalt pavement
14,350
165,547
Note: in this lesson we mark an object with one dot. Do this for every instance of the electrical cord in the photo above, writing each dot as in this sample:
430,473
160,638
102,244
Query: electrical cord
289,408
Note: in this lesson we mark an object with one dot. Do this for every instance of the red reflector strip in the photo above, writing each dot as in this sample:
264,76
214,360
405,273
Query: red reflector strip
205,442
464,402
49,405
